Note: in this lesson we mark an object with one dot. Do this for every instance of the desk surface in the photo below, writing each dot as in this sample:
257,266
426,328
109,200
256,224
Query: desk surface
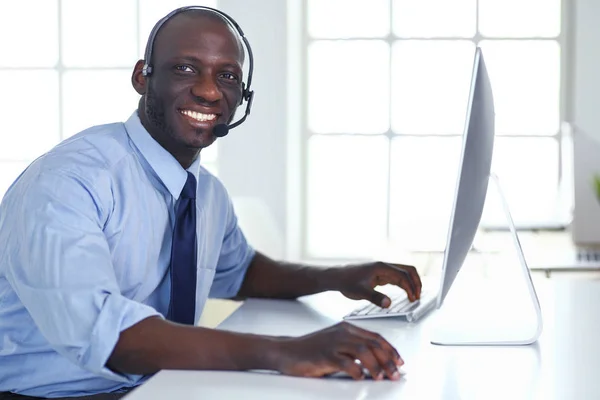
563,364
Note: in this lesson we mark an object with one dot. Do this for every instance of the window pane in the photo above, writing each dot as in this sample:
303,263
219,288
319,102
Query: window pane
518,18
30,33
151,11
348,86
423,181
430,86
29,113
347,195
434,18
528,172
113,100
338,18
525,77
99,34
9,171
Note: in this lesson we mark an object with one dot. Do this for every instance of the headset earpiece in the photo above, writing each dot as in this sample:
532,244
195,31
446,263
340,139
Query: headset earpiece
146,69
244,94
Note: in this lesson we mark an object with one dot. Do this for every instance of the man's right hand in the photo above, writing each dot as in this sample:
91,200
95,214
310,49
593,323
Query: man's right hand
335,349
154,344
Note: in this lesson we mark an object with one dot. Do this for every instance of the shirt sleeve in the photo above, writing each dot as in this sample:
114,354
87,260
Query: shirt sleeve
234,259
62,272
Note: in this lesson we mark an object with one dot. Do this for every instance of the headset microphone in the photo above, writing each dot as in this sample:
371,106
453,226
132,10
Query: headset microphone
219,130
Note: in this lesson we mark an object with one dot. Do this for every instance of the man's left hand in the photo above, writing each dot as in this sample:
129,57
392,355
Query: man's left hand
358,282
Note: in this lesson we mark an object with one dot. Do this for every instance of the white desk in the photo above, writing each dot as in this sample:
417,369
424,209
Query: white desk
563,364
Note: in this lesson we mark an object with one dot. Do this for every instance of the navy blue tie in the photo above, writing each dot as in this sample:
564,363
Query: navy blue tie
184,256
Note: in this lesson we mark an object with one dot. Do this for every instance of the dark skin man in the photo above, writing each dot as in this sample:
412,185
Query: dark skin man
195,85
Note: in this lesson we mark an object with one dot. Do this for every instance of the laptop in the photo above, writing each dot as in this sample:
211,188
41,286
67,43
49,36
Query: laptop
469,198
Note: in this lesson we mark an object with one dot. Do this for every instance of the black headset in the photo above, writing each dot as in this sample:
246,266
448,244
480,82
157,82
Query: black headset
219,130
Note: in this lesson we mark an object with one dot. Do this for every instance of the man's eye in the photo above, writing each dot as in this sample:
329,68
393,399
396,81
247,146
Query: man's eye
230,76
183,68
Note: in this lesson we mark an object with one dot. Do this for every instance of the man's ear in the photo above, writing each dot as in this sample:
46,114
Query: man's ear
138,80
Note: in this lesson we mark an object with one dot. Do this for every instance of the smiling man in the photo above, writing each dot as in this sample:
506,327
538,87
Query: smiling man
111,243
196,84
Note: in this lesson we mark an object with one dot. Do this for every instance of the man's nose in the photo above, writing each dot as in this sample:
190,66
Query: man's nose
205,88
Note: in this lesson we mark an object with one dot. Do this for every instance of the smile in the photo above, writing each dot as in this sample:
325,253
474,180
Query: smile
199,116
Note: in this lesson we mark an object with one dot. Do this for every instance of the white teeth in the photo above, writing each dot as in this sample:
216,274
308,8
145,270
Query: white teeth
199,116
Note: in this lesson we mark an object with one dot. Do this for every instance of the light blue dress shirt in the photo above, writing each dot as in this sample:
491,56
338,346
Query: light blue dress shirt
85,241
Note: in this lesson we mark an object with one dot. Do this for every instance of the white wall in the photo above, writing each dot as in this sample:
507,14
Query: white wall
253,159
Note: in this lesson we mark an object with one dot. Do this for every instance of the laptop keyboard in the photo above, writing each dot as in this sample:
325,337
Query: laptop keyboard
588,255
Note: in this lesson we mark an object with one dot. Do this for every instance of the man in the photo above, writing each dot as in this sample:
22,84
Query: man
90,289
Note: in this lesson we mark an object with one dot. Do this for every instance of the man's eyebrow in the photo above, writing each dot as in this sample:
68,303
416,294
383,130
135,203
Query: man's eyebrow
232,65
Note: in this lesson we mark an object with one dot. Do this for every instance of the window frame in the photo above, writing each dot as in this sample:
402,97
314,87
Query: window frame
564,40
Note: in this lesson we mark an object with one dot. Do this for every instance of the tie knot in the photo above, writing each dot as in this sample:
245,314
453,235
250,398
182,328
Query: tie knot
189,189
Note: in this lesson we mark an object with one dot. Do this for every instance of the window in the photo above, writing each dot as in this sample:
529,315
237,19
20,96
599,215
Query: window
387,87
67,66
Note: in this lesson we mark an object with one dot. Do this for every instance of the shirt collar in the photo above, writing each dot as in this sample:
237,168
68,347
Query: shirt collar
166,167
